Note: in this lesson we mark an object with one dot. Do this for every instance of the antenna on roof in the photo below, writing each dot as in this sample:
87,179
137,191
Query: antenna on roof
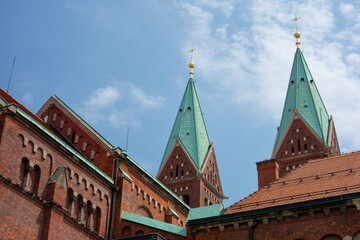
127,139
12,68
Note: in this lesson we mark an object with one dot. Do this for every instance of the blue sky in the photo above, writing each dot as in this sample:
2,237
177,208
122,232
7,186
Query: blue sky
123,64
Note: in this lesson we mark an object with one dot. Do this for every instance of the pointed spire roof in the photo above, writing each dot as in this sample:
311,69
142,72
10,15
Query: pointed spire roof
304,99
189,127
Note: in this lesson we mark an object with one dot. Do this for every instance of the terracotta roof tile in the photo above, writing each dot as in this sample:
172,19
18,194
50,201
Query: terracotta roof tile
316,179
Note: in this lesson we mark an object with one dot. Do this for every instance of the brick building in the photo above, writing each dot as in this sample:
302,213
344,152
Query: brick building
59,178
189,167
307,190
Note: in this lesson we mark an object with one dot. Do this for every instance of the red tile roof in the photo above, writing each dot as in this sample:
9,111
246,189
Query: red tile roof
316,179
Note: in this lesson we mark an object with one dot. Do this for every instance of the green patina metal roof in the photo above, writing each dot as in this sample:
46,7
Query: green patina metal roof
204,212
167,227
190,128
303,95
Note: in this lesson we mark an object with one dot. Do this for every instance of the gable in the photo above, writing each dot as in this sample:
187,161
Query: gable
178,165
299,140
303,96
211,174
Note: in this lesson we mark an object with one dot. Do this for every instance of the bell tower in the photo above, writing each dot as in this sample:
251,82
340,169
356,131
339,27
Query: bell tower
306,129
189,167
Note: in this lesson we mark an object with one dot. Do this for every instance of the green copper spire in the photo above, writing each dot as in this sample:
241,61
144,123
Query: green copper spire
189,127
303,97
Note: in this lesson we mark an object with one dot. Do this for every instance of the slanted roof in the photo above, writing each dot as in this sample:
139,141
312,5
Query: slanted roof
7,99
55,99
204,212
153,223
190,128
156,181
39,124
303,96
316,179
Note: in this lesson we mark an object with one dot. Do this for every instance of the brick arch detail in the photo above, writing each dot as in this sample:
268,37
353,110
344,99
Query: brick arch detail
73,176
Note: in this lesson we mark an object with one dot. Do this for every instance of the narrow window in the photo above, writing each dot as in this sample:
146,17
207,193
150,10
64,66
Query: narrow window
305,147
73,137
186,199
292,149
97,222
35,177
177,170
298,142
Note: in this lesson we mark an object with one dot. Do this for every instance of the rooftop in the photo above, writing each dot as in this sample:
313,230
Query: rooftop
316,179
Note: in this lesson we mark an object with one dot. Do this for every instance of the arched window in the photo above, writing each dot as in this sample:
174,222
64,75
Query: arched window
126,232
97,219
35,179
81,208
331,237
90,214
144,211
25,173
70,201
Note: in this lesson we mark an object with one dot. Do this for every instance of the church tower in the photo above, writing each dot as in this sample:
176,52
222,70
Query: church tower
306,130
189,166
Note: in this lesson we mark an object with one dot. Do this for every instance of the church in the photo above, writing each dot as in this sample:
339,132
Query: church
61,179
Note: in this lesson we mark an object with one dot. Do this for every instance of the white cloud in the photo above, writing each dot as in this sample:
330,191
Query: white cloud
103,97
248,61
145,100
107,105
346,9
226,7
27,98
123,118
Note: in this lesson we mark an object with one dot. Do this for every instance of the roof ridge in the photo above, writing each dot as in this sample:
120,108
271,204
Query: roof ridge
313,177
11,100
298,196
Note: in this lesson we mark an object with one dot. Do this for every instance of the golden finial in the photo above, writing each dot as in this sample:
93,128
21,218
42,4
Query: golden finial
297,33
191,64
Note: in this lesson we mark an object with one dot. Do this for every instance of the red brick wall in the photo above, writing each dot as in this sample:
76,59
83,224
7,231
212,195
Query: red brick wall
299,137
290,228
189,182
21,218
268,171
19,142
141,196
101,157
130,229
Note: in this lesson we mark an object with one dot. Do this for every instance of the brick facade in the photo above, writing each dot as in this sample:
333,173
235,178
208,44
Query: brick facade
339,221
56,180
196,188
299,145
